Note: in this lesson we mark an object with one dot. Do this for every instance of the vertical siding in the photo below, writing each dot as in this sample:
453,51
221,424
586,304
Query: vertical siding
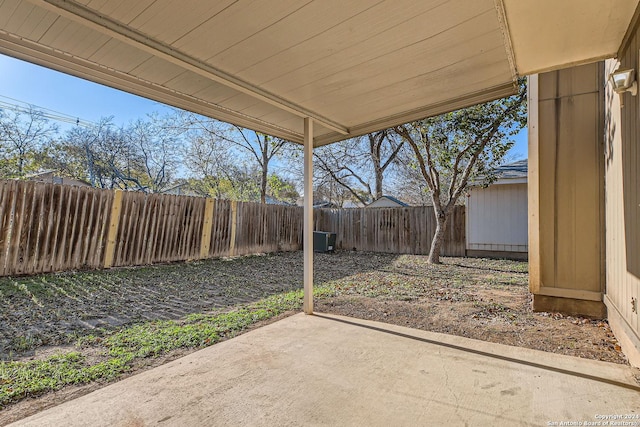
497,218
570,178
622,166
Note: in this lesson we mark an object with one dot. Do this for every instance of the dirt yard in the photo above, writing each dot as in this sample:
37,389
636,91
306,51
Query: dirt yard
476,298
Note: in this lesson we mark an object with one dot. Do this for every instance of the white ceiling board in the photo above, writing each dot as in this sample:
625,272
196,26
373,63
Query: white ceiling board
549,34
157,70
122,11
431,56
119,56
161,20
232,26
38,22
375,104
352,66
356,56
303,58
7,8
302,24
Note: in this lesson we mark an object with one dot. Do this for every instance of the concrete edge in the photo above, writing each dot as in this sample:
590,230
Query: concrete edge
611,373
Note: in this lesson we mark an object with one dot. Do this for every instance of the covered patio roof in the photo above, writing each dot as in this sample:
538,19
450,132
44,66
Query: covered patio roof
352,67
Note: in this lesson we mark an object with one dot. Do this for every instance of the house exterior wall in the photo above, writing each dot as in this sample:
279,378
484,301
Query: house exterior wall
497,218
566,198
622,199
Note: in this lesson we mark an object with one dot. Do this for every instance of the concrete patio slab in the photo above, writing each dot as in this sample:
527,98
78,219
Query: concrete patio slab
331,370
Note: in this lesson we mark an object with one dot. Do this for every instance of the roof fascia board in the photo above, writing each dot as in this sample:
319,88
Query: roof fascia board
506,36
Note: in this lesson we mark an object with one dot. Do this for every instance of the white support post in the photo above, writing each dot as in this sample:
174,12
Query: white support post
307,230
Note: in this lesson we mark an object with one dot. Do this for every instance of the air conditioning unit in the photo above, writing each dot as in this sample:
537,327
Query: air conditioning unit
324,241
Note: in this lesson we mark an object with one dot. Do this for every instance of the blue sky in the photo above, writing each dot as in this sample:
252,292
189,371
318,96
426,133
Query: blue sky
88,101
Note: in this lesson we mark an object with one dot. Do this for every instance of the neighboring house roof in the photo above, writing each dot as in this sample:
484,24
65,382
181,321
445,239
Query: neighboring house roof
510,173
386,201
513,170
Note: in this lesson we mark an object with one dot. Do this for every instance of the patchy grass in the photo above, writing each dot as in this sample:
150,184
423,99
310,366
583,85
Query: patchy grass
107,324
123,348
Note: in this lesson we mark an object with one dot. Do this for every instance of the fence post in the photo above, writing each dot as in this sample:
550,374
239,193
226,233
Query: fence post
113,228
234,223
205,242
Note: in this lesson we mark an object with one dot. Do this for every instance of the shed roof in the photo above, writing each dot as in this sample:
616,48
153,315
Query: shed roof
513,170
352,66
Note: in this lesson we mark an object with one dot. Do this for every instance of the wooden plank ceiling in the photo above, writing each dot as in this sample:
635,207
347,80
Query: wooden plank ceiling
353,66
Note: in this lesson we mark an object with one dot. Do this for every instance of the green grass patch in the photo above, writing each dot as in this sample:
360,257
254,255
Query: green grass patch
123,348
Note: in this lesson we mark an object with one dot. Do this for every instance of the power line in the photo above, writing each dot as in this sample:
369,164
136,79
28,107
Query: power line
25,107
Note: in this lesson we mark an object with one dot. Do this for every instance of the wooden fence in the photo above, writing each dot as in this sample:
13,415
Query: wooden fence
50,227
393,230
47,227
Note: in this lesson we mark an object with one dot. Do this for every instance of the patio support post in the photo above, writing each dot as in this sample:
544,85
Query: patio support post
307,231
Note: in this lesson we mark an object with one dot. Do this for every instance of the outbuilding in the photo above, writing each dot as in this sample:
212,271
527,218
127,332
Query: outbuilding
497,215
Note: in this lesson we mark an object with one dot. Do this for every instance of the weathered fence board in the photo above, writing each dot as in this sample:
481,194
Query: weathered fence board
51,227
158,228
392,230
46,227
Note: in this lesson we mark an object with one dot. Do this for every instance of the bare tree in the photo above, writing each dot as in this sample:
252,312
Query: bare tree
451,149
154,146
22,135
354,164
259,147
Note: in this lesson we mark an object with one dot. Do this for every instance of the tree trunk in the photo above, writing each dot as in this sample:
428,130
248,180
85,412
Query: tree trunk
378,183
263,186
438,238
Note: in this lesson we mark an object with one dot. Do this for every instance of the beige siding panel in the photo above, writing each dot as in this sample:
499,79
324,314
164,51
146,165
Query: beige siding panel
570,180
576,81
623,206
